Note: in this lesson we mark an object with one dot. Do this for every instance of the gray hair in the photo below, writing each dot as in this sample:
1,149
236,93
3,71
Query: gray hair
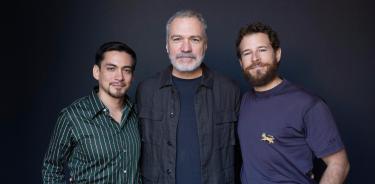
186,14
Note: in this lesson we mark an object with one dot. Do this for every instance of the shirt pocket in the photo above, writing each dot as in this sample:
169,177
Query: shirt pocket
225,127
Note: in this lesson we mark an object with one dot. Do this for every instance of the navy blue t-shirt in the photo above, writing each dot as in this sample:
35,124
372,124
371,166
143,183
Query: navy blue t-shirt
188,165
280,132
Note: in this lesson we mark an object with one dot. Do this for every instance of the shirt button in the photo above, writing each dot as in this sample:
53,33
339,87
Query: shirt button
169,143
125,151
171,115
169,171
125,171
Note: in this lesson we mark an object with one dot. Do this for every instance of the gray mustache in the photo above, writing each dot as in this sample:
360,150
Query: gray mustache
185,55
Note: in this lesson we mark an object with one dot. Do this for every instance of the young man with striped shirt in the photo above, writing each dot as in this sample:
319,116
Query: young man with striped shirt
97,136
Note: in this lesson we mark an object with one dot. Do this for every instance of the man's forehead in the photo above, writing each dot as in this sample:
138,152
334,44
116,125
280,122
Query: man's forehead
255,40
120,59
186,23
188,35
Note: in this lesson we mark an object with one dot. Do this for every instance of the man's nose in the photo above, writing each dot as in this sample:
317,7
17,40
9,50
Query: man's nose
186,46
119,75
255,56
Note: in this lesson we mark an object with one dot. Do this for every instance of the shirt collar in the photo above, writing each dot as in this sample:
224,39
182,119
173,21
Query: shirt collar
166,77
98,106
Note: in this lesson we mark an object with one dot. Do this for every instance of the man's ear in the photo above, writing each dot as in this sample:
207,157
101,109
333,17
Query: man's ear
240,61
205,45
278,55
96,72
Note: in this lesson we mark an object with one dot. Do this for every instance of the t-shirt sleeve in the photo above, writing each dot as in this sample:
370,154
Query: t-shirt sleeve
321,131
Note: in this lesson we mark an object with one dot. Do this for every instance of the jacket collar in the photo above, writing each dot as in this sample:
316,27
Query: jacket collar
166,77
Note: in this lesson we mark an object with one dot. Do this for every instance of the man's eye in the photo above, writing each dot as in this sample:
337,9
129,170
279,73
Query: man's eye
245,53
262,50
176,39
110,69
196,40
128,71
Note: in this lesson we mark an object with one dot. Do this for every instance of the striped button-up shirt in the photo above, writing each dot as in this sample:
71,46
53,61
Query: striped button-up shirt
95,148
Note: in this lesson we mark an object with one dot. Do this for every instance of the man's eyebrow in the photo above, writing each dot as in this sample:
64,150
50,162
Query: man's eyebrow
109,64
242,51
128,66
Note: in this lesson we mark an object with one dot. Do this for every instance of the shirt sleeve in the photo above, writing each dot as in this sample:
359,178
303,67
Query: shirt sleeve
322,133
58,152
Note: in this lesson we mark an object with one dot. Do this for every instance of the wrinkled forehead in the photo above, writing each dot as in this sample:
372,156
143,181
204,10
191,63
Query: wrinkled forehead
186,26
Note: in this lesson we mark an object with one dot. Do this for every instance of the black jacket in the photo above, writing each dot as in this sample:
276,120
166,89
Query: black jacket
216,105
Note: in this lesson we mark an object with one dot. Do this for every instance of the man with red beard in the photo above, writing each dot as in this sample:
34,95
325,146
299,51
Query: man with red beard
188,113
281,126
97,136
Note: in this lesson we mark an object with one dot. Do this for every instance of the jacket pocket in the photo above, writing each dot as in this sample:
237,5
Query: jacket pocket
151,125
150,114
221,117
150,175
225,127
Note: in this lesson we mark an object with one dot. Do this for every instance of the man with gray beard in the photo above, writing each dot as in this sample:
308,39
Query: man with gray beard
188,113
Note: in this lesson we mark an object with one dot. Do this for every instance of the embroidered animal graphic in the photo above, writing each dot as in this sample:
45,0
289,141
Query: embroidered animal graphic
268,138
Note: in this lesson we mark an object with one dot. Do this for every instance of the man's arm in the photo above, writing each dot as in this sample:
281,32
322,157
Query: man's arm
57,153
337,168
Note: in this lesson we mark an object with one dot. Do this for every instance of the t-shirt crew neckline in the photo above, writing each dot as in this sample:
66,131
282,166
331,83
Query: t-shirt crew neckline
271,92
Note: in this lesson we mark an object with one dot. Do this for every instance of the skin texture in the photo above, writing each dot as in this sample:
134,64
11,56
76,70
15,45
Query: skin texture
337,168
259,61
186,46
114,76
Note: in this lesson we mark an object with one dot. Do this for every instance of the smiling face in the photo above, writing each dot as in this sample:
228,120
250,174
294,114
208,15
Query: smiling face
115,74
186,44
259,61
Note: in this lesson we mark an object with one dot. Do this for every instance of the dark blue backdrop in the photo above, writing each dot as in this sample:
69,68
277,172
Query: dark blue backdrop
327,46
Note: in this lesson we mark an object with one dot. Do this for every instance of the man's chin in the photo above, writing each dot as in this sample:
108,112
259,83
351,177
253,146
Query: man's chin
117,93
186,67
262,80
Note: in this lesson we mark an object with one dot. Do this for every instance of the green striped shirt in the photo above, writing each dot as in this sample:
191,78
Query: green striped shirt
95,148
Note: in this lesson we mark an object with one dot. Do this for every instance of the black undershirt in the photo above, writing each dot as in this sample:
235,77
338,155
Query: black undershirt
188,166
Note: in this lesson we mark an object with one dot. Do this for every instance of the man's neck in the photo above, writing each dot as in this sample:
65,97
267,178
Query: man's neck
113,104
276,81
187,75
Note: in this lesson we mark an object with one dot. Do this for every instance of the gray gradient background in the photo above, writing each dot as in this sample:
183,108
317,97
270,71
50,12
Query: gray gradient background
327,47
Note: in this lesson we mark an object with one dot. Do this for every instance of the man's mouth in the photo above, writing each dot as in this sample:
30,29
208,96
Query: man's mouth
185,55
255,66
116,84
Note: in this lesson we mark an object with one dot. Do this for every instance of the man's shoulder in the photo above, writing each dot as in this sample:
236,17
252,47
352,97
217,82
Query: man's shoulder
302,95
223,81
79,107
147,87
152,81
